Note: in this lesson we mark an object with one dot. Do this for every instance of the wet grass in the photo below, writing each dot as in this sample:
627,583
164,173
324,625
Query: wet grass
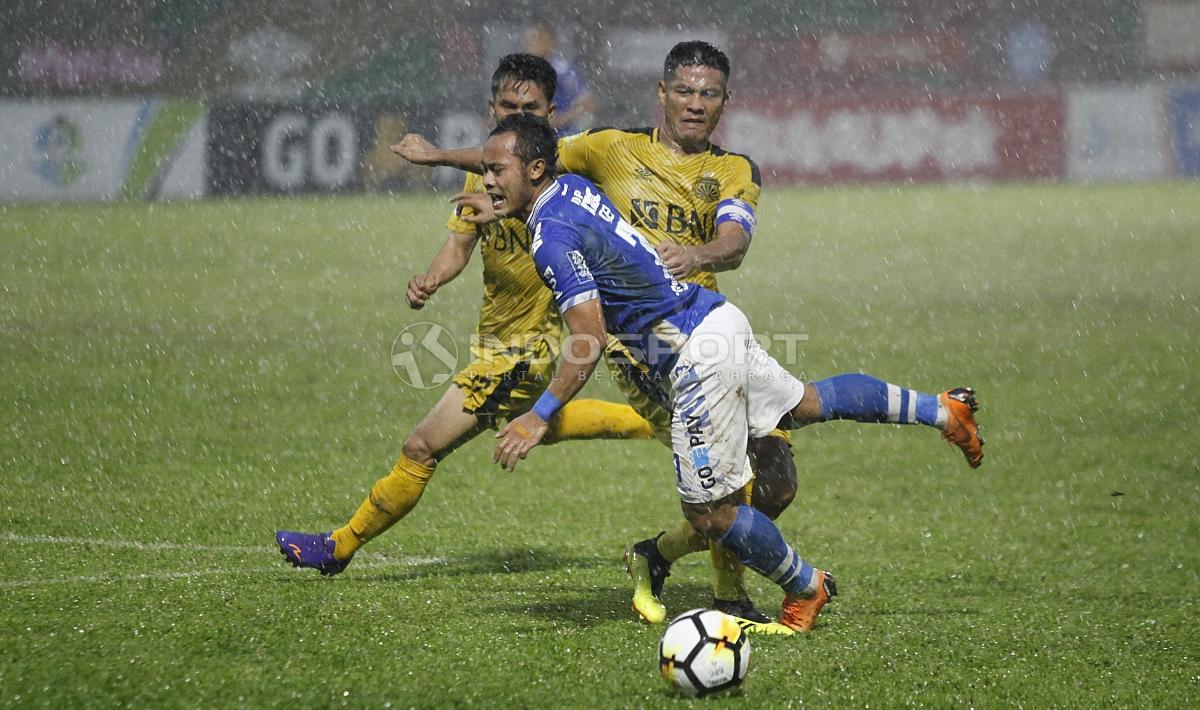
180,380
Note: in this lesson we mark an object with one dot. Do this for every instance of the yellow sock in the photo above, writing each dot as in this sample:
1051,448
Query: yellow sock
391,498
597,419
679,541
729,576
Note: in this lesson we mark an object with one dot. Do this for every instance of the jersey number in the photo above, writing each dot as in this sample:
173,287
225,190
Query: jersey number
626,231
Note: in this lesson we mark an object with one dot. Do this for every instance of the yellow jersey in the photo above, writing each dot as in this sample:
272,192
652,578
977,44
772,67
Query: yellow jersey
666,195
517,307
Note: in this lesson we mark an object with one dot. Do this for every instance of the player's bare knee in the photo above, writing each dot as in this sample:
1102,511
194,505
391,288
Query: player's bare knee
418,449
710,520
775,476
772,501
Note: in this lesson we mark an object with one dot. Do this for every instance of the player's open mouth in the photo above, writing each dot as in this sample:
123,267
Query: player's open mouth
497,200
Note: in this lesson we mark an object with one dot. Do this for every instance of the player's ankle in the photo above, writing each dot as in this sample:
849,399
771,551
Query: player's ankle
345,543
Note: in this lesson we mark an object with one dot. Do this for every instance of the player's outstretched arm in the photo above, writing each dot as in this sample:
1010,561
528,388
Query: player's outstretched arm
447,264
414,148
724,253
583,351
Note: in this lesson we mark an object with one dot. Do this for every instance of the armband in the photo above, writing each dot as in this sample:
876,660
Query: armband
547,405
740,211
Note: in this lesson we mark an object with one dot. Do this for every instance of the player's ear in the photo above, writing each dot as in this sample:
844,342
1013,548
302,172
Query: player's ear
662,92
492,108
550,113
537,170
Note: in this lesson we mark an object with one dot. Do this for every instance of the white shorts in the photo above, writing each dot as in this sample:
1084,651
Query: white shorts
724,389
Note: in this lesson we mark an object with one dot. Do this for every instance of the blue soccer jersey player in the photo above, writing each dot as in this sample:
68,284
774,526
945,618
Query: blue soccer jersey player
720,385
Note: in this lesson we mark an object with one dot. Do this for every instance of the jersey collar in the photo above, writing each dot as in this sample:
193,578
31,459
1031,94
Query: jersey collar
551,190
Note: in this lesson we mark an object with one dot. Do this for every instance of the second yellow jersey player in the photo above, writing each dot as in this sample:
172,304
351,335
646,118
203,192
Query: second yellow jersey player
517,340
671,196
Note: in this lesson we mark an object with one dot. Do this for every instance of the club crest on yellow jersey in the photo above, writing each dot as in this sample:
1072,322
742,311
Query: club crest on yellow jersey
708,188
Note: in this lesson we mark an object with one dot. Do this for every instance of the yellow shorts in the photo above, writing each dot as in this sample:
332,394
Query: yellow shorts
499,384
628,373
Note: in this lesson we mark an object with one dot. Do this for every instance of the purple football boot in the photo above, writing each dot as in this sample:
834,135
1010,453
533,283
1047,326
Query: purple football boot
314,550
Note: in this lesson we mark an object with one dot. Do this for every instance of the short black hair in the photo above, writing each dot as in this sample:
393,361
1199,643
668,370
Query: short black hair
535,138
695,53
525,67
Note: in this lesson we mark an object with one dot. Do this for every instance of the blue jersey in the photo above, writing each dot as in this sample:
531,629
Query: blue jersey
584,250
571,88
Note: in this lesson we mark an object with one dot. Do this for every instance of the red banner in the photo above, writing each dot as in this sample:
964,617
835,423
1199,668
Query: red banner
900,137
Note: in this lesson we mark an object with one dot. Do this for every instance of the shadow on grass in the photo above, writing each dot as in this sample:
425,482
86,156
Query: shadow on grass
511,561
584,590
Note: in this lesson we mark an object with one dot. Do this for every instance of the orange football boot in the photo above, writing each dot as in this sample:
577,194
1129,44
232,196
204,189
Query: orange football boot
800,614
961,429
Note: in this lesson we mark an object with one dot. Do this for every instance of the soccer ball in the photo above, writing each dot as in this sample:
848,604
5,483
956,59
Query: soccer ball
703,652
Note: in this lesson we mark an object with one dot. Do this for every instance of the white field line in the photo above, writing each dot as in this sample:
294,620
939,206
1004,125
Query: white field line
128,544
380,561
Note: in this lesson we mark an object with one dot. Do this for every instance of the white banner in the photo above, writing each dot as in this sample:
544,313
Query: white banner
101,149
1115,134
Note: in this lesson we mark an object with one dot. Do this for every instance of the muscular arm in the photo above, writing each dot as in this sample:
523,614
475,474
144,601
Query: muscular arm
724,253
417,150
447,264
584,347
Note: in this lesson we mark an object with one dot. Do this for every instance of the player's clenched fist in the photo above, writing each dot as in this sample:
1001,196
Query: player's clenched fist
416,150
680,261
420,288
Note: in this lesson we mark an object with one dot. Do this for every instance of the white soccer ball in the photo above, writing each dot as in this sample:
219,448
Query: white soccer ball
702,652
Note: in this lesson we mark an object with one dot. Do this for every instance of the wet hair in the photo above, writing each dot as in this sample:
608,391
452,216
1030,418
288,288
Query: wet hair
695,53
535,138
525,67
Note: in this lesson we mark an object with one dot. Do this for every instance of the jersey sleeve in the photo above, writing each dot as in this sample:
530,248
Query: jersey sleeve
456,224
739,196
583,153
562,265
744,184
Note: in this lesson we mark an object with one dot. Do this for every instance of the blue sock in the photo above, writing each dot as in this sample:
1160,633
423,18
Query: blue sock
867,399
759,545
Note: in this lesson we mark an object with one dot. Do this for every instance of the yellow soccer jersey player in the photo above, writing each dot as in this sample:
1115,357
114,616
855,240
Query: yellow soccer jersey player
517,340
665,194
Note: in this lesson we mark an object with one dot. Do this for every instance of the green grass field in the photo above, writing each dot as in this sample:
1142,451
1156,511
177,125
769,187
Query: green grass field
178,381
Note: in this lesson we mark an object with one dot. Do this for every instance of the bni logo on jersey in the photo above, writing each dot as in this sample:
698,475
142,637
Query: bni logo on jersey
425,355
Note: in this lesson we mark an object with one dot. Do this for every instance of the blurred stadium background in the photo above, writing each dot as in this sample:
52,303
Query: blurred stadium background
168,99
181,379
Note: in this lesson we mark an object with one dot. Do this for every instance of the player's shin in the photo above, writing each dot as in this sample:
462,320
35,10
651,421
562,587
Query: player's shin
761,547
864,398
729,578
679,540
391,498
